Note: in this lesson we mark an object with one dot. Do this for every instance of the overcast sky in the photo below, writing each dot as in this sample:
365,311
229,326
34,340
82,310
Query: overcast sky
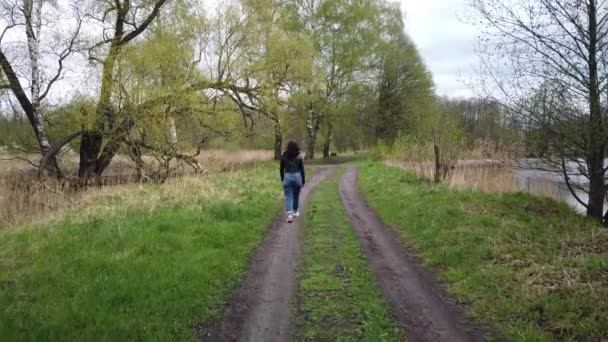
446,44
444,41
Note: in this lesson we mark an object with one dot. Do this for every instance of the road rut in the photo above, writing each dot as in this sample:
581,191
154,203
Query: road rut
261,308
415,297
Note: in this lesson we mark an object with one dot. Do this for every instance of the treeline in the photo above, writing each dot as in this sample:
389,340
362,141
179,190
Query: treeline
167,77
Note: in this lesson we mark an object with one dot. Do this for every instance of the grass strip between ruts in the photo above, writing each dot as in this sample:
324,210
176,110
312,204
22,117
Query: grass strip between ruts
339,299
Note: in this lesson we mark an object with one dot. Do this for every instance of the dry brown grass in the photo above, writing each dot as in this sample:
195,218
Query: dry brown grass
219,160
23,198
485,175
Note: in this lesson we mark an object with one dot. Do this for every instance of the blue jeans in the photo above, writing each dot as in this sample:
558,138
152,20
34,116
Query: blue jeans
292,184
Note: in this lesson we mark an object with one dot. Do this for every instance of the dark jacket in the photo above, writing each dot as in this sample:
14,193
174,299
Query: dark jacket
292,165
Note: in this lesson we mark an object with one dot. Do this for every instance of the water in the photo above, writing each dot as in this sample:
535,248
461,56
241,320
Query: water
552,184
549,184
528,175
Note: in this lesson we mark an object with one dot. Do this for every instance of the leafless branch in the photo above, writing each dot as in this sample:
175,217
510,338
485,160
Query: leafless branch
141,28
22,159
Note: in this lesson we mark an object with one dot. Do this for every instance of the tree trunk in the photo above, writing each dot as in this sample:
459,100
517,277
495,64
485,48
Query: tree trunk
90,146
278,140
328,139
311,139
33,14
92,139
313,122
597,188
136,155
597,145
118,136
173,133
437,175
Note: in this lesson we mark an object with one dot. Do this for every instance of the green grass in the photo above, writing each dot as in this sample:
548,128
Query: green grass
338,299
529,268
142,264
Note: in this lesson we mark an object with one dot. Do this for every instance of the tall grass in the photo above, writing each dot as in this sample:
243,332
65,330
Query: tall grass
488,176
24,198
481,166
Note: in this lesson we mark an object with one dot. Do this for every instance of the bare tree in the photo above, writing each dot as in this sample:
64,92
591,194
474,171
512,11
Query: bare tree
26,16
548,60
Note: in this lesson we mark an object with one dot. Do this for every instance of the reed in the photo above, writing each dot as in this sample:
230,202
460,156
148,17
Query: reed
486,175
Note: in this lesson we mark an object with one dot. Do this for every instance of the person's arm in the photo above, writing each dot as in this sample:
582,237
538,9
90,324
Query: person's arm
302,171
282,170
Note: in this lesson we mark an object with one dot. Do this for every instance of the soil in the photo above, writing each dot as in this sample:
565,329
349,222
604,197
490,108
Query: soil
261,307
417,301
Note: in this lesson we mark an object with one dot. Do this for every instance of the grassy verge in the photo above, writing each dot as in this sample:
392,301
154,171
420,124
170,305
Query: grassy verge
137,263
530,268
338,298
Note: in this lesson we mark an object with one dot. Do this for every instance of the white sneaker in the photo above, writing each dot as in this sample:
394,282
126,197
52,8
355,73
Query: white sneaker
296,214
290,216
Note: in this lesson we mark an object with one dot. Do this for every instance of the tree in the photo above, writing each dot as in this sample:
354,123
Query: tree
443,125
406,89
345,34
27,15
255,51
285,60
150,92
560,49
126,20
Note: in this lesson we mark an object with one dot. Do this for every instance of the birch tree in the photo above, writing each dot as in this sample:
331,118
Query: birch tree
22,20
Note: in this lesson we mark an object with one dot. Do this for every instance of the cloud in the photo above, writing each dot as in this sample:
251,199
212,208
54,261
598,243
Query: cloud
446,43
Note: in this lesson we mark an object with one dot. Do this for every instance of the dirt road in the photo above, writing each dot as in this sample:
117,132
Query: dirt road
261,308
416,299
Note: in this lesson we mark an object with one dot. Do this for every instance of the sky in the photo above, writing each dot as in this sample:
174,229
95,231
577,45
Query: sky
446,44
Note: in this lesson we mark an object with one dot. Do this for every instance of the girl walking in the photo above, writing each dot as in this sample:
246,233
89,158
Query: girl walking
293,178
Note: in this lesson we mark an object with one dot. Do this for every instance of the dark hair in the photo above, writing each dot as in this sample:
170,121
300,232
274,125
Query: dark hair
293,150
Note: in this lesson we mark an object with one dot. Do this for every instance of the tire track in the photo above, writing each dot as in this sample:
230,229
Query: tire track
415,297
261,307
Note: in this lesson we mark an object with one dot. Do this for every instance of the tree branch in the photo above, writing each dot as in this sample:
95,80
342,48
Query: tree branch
133,34
54,150
62,57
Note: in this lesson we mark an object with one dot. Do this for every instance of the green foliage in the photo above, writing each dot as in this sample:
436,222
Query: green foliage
406,90
444,129
515,258
71,117
404,147
15,132
339,298
292,59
